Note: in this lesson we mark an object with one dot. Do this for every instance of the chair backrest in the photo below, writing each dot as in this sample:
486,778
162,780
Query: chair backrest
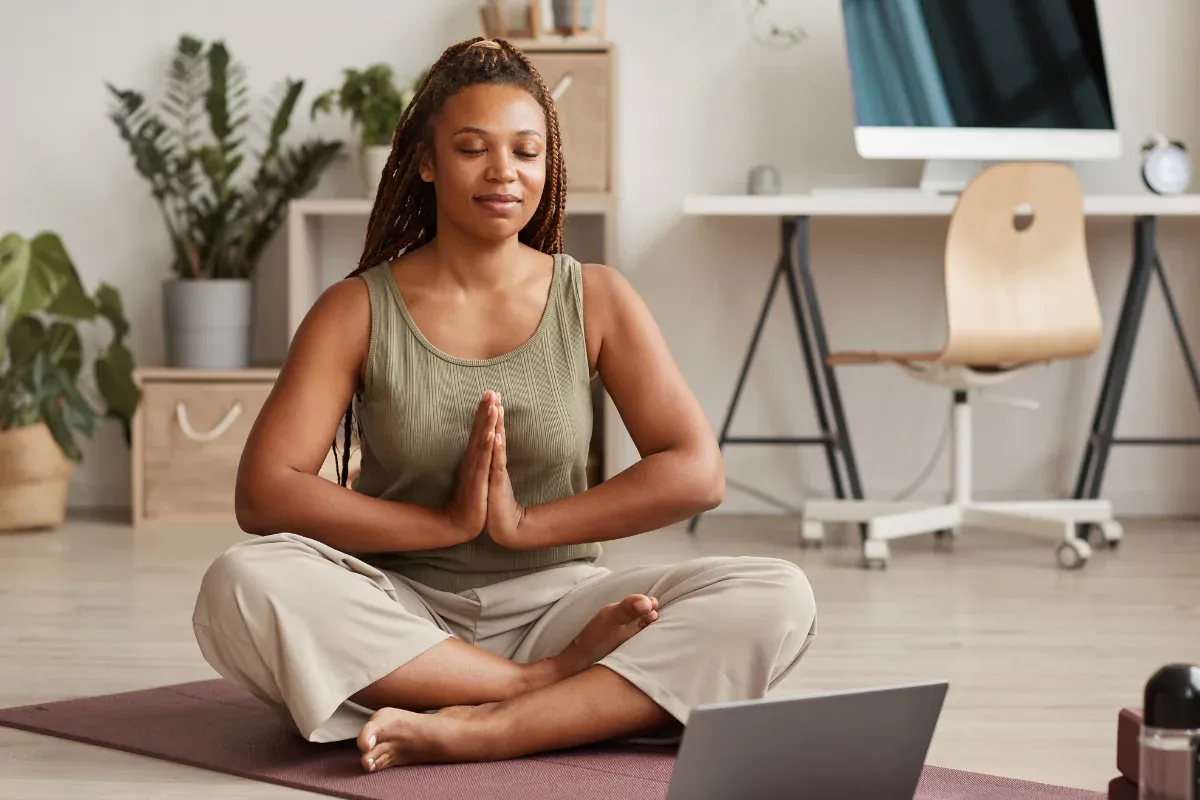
1018,293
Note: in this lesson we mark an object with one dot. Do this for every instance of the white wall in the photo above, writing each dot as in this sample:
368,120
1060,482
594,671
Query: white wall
707,104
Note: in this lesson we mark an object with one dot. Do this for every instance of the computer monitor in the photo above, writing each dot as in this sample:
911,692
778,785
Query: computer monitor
962,82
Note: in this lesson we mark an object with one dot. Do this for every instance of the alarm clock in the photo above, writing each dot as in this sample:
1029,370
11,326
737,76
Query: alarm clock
1166,166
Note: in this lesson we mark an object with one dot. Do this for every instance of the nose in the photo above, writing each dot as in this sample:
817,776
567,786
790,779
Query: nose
502,167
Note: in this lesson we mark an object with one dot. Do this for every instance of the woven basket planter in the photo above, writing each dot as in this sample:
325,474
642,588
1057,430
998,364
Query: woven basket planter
34,476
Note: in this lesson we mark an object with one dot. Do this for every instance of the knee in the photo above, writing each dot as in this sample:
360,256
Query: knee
234,579
778,590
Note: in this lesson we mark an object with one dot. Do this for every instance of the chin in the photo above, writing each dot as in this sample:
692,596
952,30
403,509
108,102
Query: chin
493,228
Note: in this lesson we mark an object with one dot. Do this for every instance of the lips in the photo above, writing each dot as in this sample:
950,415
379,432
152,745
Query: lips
498,203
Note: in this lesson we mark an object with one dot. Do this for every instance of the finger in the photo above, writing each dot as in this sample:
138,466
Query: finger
502,443
488,435
478,428
487,452
497,470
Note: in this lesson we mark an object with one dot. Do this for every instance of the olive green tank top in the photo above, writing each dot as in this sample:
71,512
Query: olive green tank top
416,411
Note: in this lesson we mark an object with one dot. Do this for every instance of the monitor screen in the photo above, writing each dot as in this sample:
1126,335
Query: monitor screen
977,64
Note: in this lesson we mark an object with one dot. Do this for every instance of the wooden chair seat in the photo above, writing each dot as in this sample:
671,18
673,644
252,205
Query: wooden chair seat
1018,284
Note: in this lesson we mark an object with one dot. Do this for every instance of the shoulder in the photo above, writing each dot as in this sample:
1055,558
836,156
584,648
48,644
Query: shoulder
339,320
606,292
343,302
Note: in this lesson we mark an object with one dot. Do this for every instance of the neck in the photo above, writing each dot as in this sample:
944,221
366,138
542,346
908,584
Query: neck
474,263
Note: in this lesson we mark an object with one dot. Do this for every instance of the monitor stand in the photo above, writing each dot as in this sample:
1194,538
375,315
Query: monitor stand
949,176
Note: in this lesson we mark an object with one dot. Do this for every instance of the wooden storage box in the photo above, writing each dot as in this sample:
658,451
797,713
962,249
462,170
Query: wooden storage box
188,436
582,79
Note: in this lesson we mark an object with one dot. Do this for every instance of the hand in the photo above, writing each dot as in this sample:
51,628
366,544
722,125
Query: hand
468,509
504,513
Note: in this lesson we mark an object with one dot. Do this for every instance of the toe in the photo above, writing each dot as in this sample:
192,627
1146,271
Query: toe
368,736
634,606
378,757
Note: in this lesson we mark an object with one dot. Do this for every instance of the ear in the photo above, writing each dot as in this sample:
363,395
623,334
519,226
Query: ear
425,162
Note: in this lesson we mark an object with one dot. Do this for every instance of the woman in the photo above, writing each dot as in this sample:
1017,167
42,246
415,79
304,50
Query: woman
458,574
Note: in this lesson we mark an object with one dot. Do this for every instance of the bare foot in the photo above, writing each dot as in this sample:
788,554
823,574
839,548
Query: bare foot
394,737
613,625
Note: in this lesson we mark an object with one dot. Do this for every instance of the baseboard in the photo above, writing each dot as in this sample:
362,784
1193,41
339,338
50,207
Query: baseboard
1166,503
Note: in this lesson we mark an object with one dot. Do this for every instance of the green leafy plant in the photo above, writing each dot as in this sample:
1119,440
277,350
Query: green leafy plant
372,99
44,304
196,153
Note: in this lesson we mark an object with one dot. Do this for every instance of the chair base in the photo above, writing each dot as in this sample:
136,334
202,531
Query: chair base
885,520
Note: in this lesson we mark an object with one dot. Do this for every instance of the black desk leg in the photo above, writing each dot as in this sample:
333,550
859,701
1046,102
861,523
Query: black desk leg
795,248
841,429
802,296
1146,264
1099,443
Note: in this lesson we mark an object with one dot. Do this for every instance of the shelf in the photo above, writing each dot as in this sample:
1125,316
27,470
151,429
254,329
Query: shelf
597,203
161,373
552,43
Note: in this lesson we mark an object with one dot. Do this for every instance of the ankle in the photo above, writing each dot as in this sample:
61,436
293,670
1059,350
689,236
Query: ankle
491,731
538,675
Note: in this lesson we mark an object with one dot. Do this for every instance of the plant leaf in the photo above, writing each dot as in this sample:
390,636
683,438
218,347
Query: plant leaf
32,272
216,101
72,302
63,349
53,414
322,103
283,117
77,411
108,303
114,378
25,338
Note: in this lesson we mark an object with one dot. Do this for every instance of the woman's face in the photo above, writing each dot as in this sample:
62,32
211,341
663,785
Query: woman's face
489,160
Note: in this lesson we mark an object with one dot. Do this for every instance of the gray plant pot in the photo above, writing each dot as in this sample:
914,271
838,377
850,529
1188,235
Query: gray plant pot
564,13
208,323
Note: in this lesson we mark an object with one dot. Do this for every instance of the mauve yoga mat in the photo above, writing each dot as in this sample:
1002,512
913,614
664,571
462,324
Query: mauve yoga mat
216,725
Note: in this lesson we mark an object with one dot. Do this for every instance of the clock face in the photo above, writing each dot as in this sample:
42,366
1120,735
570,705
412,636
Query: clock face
1168,170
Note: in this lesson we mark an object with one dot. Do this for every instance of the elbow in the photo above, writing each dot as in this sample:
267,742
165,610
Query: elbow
710,481
250,508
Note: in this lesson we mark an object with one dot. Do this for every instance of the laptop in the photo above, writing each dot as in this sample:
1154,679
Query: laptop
855,745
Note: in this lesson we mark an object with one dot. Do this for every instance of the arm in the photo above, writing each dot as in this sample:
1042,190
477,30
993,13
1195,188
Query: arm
680,472
278,488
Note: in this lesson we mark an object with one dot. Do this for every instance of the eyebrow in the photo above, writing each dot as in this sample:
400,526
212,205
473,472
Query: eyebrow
482,132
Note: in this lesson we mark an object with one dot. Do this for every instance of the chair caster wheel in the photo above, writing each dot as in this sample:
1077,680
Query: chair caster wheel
812,535
1113,533
1073,554
876,554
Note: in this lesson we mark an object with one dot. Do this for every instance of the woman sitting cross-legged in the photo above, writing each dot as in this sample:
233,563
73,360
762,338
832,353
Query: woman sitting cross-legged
457,573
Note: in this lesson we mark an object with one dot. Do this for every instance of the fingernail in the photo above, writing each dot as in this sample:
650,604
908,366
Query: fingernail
371,741
370,763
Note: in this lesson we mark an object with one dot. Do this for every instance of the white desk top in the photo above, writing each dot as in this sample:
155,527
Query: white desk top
906,203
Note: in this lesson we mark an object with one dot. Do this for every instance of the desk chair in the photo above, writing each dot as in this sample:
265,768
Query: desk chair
1018,292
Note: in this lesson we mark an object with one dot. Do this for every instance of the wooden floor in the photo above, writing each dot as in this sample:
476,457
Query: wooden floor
1039,660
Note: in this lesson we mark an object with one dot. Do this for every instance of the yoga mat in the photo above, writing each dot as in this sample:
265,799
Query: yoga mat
218,726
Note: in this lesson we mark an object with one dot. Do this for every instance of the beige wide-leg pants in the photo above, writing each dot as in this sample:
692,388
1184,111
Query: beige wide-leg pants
304,626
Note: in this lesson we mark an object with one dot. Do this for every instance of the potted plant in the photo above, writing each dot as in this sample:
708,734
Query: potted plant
197,154
374,102
44,388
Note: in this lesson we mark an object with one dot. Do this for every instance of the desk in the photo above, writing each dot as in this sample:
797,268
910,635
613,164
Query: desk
795,213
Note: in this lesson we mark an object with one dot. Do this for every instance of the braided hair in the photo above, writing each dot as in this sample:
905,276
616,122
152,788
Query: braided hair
404,216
